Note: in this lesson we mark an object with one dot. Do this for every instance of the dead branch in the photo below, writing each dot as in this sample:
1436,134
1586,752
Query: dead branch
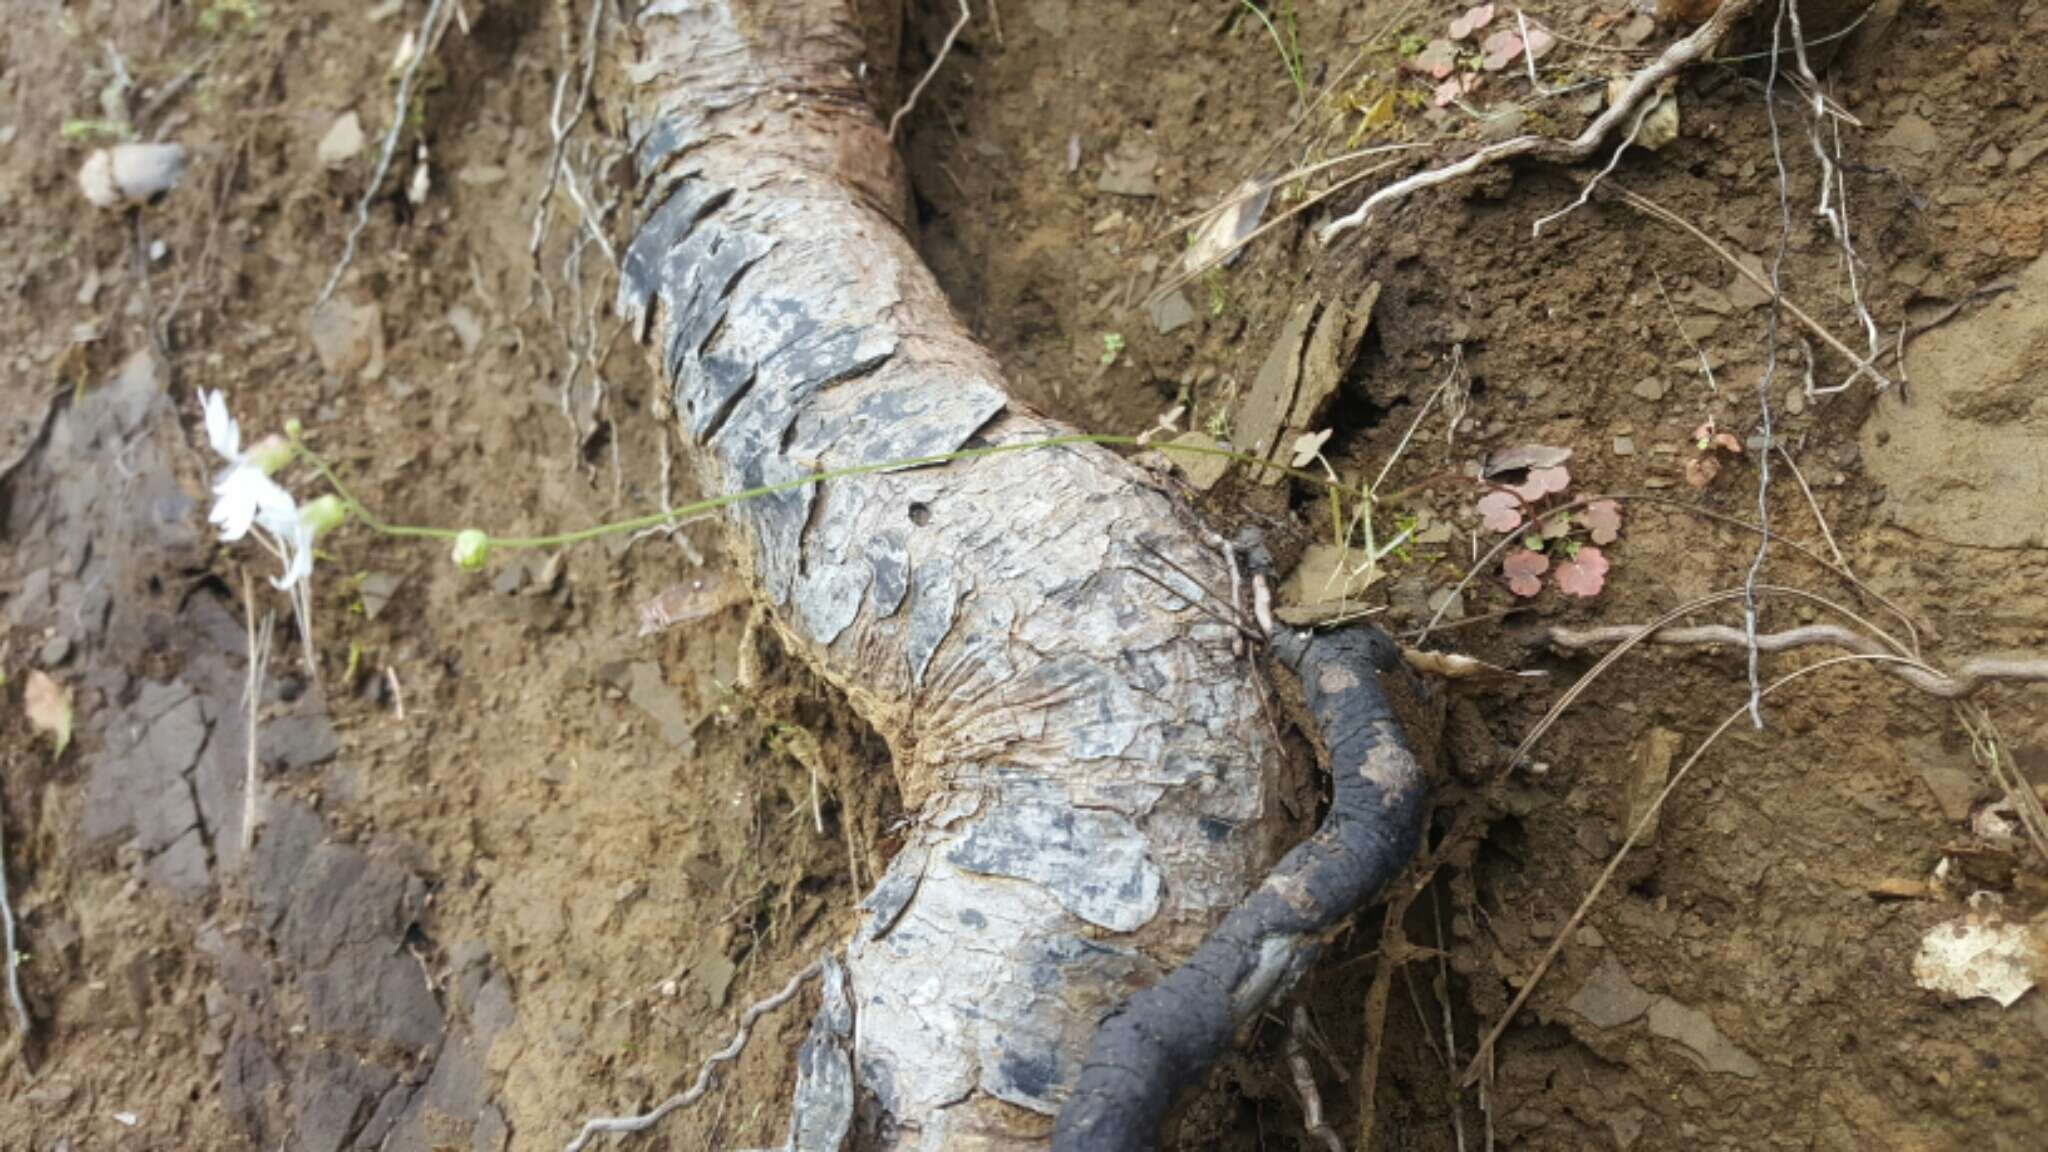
1968,677
1622,109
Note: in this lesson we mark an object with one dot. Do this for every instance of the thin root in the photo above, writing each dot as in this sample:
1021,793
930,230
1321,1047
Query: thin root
696,1091
1969,676
945,50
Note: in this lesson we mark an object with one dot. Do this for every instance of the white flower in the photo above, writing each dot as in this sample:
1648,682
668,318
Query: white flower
244,495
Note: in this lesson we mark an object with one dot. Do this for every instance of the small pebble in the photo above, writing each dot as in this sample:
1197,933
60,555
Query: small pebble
1624,446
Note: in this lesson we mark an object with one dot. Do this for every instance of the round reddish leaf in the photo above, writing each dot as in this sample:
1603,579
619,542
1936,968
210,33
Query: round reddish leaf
1472,21
1500,511
1584,574
1524,570
1500,50
1602,518
1542,482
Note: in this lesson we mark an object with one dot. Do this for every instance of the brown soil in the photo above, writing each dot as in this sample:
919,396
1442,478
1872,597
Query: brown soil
542,887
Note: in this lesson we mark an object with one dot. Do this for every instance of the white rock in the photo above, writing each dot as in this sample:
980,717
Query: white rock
130,173
1979,955
343,142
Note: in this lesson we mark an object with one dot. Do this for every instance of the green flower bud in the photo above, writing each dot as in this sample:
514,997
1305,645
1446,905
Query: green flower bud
325,514
472,549
271,454
293,429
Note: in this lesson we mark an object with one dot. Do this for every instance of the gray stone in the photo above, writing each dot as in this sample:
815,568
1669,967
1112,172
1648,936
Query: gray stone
644,685
181,868
290,833
376,589
1912,134
492,1133
1608,998
332,1098
55,651
374,991
2025,154
1954,787
348,338
246,1074
343,898
31,600
302,738
1172,312
1127,171
1651,388
1975,383
1695,1030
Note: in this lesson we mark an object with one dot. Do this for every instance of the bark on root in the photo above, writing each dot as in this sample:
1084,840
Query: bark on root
1081,748
1166,1037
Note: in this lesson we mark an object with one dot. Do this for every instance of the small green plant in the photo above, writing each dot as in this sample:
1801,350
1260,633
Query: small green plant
1549,537
1412,45
1219,292
219,16
1289,44
81,131
1406,525
1112,347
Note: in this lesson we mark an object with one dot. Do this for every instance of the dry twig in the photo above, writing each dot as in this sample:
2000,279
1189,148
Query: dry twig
945,50
429,29
1826,533
1988,749
11,956
259,661
1650,207
1622,109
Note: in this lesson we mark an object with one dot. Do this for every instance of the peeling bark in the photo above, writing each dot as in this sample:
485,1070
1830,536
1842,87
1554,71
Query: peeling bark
1083,753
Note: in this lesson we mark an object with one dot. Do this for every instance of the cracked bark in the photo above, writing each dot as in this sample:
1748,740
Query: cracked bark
1082,751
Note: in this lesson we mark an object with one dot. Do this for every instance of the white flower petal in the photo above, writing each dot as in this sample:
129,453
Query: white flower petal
244,495
234,509
221,430
298,551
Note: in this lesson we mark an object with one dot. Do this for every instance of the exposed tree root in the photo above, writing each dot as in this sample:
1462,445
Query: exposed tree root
1077,735
1162,1041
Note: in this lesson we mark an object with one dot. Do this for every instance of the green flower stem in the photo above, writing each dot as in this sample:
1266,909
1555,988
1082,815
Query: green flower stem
713,504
